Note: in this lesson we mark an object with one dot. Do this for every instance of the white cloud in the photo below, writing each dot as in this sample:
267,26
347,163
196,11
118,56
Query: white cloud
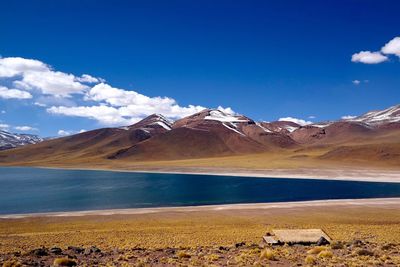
104,114
312,117
25,128
119,106
356,82
86,78
368,57
120,97
46,101
31,74
12,66
60,93
295,120
4,126
64,133
68,132
40,104
227,110
3,112
348,117
392,47
13,93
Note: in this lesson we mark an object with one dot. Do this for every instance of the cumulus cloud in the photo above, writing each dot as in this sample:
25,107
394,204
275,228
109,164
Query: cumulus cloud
3,112
312,117
67,132
392,47
86,78
85,96
46,101
29,74
25,128
104,114
368,57
356,82
118,106
64,133
7,93
295,120
348,117
4,126
227,110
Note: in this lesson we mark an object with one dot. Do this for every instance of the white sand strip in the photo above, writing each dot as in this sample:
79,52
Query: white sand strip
373,202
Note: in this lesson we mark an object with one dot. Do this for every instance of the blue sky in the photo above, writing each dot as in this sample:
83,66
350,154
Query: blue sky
264,59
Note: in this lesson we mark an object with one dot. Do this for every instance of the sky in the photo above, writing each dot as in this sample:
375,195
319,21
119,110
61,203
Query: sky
71,66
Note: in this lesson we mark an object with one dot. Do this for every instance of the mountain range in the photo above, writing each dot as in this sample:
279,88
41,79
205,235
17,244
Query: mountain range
12,140
372,137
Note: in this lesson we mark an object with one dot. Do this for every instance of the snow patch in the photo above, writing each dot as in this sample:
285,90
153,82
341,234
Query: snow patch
291,128
233,129
218,115
262,127
163,124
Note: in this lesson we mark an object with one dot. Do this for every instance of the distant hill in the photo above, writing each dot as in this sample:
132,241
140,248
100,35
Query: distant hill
12,140
213,133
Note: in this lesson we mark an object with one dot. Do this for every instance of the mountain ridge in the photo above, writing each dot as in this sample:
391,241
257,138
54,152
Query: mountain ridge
215,133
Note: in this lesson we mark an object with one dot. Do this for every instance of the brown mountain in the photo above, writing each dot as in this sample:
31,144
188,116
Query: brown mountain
208,133
331,133
96,143
214,133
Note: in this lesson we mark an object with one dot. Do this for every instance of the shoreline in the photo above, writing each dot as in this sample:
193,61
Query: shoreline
366,202
359,175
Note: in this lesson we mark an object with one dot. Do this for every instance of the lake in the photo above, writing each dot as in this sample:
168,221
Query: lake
31,190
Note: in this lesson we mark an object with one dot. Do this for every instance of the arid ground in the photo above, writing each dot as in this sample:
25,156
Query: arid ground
364,233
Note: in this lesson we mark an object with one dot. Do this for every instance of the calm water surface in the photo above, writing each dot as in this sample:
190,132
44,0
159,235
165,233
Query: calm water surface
30,190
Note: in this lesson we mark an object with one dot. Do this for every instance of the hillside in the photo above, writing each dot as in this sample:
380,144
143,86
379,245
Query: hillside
372,139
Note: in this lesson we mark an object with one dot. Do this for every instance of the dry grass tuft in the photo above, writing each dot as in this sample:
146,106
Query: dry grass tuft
64,262
310,259
267,254
182,254
212,257
316,250
325,254
12,263
337,245
364,252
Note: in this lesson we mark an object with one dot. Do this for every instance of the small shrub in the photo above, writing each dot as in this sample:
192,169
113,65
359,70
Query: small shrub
310,259
384,258
182,254
337,245
387,246
364,252
213,257
64,262
316,250
12,263
325,254
267,254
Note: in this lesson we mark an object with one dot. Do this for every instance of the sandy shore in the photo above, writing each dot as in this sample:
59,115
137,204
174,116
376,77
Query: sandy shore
373,202
373,220
345,174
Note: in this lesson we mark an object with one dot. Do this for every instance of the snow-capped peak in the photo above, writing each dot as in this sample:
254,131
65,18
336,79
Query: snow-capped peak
388,115
11,140
218,115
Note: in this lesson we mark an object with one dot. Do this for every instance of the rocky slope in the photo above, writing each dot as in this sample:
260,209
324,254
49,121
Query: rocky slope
214,133
11,140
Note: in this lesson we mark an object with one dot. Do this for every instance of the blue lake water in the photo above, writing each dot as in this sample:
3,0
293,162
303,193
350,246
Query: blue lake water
30,190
